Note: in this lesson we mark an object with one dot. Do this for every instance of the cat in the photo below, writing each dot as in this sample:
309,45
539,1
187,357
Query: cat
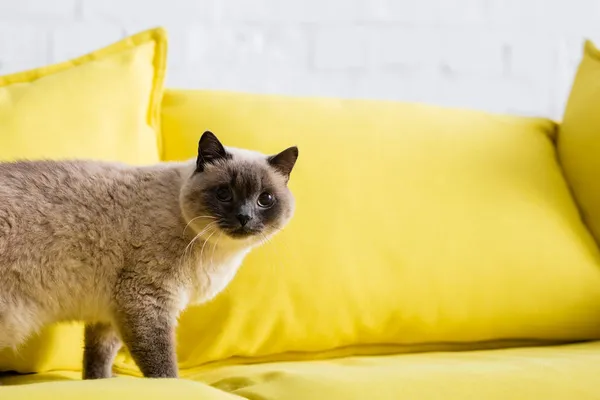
125,249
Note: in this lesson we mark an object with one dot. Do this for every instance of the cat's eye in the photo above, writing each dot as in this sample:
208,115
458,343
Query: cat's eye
266,200
224,194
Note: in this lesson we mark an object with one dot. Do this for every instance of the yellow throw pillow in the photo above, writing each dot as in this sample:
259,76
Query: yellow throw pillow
579,138
103,106
416,228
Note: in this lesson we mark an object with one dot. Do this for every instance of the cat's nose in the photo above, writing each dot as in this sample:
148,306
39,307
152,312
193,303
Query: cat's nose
243,218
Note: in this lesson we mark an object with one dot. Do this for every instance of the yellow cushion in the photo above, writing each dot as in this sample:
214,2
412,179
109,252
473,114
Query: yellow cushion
579,138
549,373
104,105
415,225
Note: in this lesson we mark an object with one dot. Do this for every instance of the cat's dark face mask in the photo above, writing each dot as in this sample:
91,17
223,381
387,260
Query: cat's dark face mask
243,194
243,206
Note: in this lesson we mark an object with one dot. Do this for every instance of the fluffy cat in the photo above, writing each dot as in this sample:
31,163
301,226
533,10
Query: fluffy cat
125,249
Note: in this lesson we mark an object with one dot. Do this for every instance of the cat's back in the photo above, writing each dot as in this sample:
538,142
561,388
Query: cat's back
27,186
40,200
57,178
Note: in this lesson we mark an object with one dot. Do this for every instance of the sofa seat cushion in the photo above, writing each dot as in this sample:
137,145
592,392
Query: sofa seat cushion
551,373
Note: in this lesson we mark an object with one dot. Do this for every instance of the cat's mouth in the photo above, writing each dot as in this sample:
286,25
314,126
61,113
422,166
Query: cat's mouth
242,232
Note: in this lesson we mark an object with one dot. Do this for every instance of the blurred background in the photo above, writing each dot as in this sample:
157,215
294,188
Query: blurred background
516,56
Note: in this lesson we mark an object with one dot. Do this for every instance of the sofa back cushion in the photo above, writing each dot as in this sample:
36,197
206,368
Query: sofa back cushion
416,227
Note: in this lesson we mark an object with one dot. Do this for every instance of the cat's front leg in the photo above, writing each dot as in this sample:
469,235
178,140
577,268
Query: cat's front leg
148,330
101,346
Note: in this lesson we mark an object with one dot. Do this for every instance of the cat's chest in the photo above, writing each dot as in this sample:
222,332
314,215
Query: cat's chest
214,270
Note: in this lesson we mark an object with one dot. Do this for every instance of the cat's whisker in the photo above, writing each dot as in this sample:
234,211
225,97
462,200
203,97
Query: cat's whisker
212,256
264,240
187,248
203,245
188,251
194,219
206,229
206,273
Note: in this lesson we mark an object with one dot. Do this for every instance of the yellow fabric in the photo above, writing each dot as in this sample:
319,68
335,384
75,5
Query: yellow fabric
57,386
552,373
549,373
415,226
104,105
579,138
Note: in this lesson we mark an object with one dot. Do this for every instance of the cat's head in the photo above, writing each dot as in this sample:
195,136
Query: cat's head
236,193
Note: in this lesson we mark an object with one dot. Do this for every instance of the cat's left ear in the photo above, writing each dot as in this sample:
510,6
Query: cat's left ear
210,149
284,162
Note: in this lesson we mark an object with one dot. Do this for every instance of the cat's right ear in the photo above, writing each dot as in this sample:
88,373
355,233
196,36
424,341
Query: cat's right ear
284,161
210,149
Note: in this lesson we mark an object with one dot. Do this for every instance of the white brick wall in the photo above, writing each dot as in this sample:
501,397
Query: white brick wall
514,56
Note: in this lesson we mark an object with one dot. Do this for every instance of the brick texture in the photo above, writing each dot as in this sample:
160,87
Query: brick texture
498,55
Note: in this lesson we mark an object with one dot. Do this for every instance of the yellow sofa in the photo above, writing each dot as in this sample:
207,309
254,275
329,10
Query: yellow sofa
435,254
